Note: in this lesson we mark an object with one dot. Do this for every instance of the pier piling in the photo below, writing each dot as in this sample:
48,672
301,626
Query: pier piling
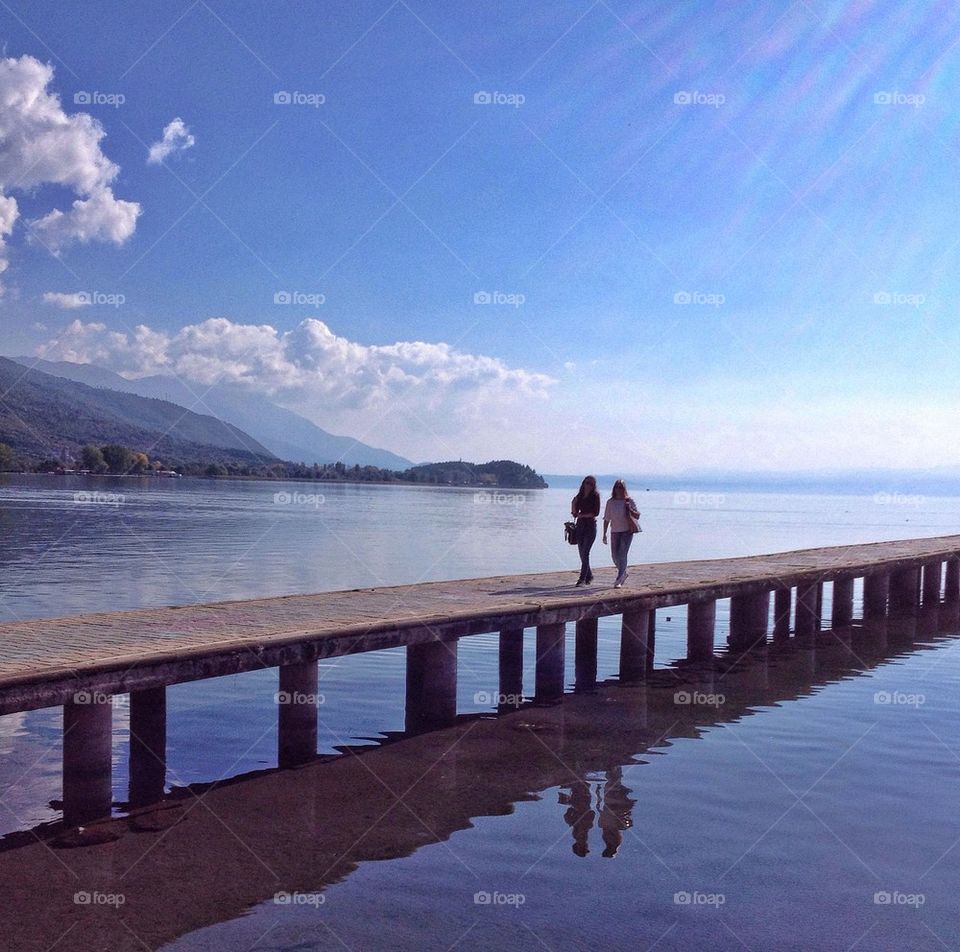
551,652
701,626
148,746
431,685
87,758
634,632
297,711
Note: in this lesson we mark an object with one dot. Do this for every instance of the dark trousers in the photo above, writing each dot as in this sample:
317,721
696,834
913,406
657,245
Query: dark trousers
586,536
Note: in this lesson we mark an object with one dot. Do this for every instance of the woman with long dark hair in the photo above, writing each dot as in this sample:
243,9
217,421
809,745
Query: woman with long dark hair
585,508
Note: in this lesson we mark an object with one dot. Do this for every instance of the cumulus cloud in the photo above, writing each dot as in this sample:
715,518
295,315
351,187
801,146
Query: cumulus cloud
176,138
40,144
68,302
337,382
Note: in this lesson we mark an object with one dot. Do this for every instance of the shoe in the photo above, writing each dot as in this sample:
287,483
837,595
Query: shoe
618,584
589,578
581,581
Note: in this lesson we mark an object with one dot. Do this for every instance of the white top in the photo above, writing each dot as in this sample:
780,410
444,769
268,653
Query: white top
615,512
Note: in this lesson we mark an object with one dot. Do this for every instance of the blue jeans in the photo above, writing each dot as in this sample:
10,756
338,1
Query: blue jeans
586,536
620,549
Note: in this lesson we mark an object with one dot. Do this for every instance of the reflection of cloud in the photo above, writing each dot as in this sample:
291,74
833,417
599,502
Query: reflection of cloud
12,726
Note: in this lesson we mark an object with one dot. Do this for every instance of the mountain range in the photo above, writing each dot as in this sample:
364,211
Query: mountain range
44,416
274,429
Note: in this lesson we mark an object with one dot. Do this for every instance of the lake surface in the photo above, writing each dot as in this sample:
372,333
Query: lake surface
799,811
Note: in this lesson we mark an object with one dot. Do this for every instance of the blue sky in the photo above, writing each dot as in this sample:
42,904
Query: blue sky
723,234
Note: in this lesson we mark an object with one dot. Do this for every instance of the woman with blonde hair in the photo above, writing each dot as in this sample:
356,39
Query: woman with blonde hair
620,514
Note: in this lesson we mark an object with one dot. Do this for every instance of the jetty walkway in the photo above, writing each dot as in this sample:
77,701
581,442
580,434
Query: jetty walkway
85,662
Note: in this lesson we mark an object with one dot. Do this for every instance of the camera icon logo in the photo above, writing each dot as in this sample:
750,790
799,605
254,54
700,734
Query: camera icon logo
482,898
82,98
282,297
882,99
482,297
682,98
482,98
282,98
682,297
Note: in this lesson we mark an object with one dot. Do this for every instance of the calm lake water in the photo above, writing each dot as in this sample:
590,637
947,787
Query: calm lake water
798,814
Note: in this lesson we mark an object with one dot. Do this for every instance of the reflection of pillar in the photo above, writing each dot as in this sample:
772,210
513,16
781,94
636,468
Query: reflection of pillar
781,613
875,593
550,662
841,609
511,668
585,655
948,621
633,644
297,707
904,591
148,745
932,573
749,615
616,813
87,759
928,620
951,584
701,622
431,685
806,621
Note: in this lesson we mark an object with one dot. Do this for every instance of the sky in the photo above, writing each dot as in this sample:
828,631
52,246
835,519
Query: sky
645,237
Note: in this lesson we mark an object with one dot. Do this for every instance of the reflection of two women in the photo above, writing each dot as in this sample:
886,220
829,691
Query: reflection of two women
612,811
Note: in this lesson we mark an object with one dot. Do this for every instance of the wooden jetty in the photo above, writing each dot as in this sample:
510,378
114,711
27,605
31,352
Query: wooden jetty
85,662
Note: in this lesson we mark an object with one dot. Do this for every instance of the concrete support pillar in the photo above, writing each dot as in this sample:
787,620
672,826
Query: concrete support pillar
928,620
87,758
297,708
550,662
876,590
951,584
431,685
701,623
948,621
511,669
651,639
932,573
749,617
841,610
782,600
806,621
904,590
585,655
634,632
148,746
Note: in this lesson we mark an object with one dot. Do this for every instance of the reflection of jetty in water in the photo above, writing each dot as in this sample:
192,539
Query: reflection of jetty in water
421,788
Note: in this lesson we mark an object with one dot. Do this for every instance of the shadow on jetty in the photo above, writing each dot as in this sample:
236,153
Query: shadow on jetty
210,853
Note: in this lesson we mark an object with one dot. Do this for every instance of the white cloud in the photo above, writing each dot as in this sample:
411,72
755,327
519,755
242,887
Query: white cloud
40,144
68,302
424,399
176,138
